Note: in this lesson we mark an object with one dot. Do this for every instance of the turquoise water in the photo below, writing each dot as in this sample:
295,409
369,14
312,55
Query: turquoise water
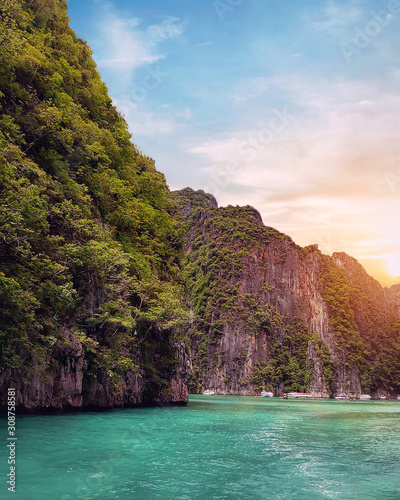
218,447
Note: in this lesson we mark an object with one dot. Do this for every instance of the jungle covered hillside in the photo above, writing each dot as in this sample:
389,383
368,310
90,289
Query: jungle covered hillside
89,250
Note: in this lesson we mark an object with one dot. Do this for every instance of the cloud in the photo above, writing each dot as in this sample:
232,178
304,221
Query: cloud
125,45
144,123
253,87
205,44
335,16
321,179
185,114
171,27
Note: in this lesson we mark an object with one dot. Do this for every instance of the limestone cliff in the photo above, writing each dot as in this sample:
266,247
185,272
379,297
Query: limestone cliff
268,314
393,296
97,310
65,385
90,285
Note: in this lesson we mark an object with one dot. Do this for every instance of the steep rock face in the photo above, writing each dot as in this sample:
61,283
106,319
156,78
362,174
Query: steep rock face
393,297
375,326
58,386
267,313
64,385
360,278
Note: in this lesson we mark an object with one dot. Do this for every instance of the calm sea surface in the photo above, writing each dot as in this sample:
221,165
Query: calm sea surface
218,447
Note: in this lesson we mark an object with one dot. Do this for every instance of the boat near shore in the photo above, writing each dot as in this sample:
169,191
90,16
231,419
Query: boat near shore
302,395
342,397
365,397
266,394
208,392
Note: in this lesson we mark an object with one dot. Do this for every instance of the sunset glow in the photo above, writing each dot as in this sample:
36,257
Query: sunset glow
393,265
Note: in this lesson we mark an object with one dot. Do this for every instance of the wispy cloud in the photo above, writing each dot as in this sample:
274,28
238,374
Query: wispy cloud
322,179
335,16
253,87
205,44
132,50
185,114
143,123
126,45
171,27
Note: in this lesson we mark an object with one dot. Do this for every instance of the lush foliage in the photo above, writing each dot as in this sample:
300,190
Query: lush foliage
367,336
288,365
338,293
221,243
215,266
233,308
88,246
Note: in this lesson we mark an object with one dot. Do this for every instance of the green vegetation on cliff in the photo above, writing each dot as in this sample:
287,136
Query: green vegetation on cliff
367,336
89,250
220,244
268,314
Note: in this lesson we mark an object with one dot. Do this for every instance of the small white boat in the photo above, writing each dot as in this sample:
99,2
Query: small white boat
208,392
382,398
299,395
365,397
266,394
398,398
342,397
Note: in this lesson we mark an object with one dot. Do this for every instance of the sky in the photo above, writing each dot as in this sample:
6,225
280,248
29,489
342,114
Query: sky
291,107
